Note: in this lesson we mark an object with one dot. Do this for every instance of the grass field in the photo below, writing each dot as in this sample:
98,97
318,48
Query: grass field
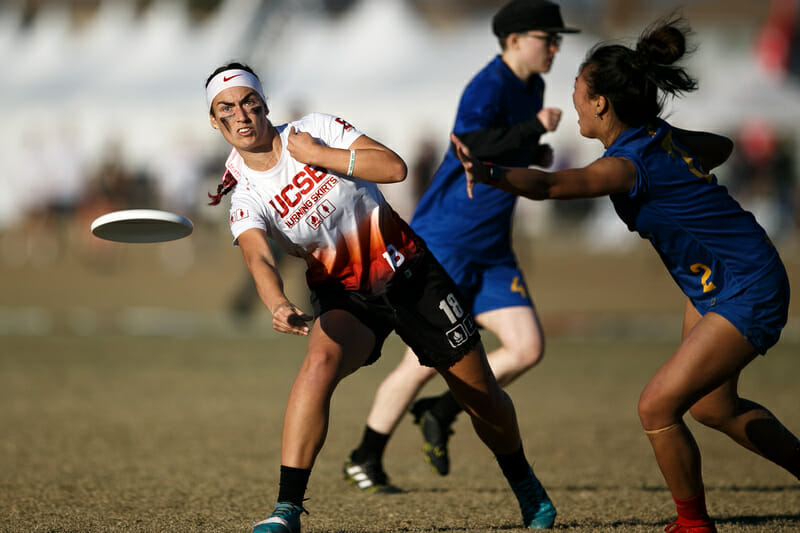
160,434
138,429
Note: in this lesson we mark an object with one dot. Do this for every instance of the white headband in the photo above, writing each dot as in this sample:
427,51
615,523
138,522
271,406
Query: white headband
232,78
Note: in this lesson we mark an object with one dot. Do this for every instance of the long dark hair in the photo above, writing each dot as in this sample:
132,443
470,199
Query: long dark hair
637,81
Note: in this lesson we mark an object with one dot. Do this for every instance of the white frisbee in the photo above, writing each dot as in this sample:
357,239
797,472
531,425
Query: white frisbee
141,225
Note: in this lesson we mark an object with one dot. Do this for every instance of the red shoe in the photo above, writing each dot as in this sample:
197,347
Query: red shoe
684,525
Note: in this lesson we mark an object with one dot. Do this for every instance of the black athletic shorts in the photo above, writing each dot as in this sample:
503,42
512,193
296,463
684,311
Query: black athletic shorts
421,303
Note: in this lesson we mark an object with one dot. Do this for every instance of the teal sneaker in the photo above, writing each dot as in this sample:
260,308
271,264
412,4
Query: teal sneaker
538,511
285,518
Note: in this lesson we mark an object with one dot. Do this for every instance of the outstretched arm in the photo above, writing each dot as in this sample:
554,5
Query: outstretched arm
710,149
286,317
608,175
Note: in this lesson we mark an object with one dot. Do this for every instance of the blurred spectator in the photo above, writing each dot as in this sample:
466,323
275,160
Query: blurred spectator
119,182
31,236
54,171
337,7
793,63
66,168
178,178
763,176
423,167
113,185
576,212
777,42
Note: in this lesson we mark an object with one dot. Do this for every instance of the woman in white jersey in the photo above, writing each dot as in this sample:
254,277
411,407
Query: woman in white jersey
310,185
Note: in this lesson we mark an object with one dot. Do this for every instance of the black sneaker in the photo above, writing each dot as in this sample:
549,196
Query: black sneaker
369,477
435,435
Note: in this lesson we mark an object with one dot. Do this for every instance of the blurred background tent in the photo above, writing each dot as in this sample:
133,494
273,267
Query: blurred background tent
103,103
85,78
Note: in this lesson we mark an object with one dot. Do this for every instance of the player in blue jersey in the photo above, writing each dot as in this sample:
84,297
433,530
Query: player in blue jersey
501,117
657,177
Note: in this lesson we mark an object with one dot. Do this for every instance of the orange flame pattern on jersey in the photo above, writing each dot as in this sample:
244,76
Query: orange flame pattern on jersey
360,260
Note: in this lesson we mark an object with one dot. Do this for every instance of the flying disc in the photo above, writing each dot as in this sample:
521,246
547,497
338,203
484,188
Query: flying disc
141,225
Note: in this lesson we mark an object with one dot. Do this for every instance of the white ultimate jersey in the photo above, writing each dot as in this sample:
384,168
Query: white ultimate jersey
342,226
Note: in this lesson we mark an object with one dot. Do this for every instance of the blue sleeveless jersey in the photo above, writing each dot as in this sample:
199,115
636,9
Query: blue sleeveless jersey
445,217
711,246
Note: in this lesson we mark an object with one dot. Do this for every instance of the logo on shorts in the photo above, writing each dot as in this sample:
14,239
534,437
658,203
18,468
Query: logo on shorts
517,285
457,336
470,325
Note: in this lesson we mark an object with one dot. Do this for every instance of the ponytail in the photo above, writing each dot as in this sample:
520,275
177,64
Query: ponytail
227,184
661,45
637,81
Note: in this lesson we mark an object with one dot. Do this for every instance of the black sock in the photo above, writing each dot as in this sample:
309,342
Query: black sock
371,448
446,408
514,465
293,484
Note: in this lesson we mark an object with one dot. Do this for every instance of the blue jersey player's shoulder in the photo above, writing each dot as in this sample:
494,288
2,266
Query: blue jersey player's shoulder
481,101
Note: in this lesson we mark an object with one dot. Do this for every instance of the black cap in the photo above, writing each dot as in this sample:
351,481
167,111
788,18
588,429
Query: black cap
520,16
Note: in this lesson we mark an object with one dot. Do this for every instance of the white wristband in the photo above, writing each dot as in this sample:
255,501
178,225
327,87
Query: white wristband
352,162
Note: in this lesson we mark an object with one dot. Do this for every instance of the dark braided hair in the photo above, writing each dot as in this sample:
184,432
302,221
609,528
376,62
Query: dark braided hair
637,81
228,181
226,186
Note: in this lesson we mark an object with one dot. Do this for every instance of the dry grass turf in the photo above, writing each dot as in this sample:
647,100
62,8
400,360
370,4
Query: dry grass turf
129,402
162,434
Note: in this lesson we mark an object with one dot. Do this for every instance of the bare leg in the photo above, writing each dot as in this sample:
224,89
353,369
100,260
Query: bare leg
495,421
749,424
521,341
522,346
338,345
396,392
489,407
711,355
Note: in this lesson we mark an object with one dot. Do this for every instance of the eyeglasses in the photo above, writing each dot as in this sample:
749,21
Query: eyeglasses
551,39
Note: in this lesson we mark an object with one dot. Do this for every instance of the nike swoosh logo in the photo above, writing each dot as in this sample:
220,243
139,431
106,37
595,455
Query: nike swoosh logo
227,79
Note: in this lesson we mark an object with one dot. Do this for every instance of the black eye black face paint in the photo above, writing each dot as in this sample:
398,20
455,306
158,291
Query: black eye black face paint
225,121
250,106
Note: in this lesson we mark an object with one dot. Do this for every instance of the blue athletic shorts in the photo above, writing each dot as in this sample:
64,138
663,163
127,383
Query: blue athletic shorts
760,311
486,286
